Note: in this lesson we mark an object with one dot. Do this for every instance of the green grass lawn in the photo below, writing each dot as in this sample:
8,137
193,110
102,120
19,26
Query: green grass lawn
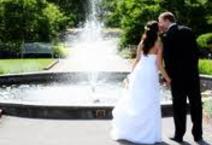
11,66
205,66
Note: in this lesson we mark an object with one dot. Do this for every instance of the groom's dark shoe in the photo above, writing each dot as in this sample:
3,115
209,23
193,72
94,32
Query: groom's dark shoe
176,139
201,142
196,139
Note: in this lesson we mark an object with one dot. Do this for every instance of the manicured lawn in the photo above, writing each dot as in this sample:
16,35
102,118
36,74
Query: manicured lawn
205,66
10,66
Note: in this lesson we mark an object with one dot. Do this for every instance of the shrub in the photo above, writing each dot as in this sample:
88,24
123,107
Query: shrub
60,51
205,44
10,49
205,41
205,66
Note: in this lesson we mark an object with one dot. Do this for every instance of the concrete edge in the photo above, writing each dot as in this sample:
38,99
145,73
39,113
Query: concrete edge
48,76
51,64
208,77
67,112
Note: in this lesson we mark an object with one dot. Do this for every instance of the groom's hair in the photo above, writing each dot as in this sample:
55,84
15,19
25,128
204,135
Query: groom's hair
168,16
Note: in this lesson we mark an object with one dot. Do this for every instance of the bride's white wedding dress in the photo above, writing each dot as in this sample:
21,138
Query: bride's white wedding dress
137,115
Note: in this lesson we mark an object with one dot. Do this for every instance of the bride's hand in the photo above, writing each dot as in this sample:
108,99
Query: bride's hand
168,82
126,82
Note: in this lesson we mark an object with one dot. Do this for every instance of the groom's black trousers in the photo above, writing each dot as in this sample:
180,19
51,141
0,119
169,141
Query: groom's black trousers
183,87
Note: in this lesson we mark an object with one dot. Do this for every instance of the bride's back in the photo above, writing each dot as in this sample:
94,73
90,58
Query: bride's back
154,49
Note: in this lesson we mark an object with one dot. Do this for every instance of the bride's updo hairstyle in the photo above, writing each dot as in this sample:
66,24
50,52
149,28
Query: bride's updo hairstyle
150,36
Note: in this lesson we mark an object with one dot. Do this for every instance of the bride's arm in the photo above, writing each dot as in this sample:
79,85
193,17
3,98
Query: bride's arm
160,64
138,56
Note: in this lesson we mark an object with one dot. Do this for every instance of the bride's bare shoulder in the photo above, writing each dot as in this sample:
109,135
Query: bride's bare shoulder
159,42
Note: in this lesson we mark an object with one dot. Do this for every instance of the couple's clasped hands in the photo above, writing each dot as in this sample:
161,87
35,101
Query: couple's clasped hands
167,82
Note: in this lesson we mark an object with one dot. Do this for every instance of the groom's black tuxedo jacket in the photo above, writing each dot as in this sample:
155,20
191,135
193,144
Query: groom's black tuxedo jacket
180,52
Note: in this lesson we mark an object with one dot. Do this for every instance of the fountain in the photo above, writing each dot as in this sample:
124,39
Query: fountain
88,93
87,47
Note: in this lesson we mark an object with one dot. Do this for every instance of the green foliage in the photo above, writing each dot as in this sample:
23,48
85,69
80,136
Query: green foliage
205,41
111,13
60,51
54,20
12,48
131,15
133,22
29,20
194,13
205,66
74,10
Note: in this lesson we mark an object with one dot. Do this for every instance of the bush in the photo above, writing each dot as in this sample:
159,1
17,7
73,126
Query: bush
205,66
60,51
205,41
10,50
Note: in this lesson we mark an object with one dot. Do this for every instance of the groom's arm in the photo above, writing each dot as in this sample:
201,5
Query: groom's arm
195,50
190,45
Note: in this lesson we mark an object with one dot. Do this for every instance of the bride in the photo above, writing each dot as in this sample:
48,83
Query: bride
137,116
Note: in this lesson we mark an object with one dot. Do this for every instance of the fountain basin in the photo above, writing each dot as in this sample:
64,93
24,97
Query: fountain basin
68,95
63,95
67,112
69,77
48,77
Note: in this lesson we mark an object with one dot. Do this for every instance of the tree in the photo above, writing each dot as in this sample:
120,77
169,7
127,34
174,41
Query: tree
135,15
30,20
111,14
74,10
193,13
131,15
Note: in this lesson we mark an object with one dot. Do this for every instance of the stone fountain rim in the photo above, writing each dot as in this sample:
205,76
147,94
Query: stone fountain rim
66,112
61,76
76,71
60,72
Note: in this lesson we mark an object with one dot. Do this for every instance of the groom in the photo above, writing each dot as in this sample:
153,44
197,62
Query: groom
181,62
